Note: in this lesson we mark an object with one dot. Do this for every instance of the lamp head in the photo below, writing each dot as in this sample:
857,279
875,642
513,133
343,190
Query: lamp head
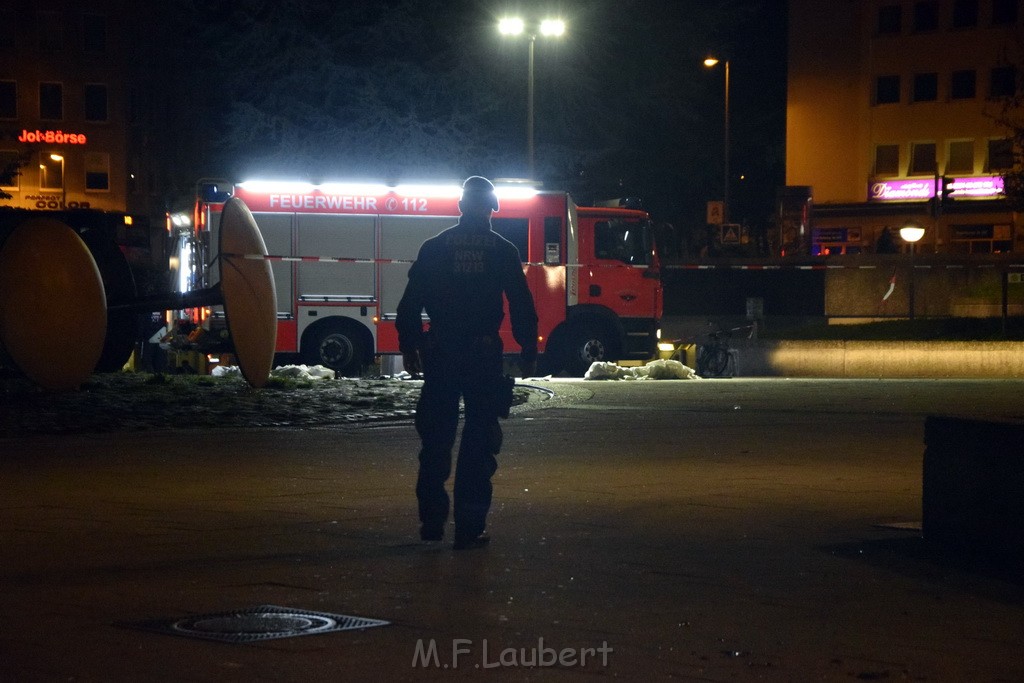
911,233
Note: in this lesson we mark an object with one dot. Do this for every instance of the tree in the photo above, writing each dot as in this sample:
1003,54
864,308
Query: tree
1010,115
10,171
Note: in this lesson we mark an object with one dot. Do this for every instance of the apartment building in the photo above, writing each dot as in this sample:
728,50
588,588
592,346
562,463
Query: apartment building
890,100
64,110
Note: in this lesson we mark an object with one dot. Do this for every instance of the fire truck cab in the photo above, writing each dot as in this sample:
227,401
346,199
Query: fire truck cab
341,252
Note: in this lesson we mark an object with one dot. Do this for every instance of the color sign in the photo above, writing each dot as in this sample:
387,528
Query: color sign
986,187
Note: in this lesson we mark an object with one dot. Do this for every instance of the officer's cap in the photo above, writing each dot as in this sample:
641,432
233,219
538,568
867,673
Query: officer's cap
480,189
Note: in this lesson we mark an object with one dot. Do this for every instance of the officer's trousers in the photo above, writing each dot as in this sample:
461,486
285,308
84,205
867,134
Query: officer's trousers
472,372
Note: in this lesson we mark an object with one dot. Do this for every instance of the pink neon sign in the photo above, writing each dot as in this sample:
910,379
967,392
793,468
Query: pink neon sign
986,187
980,187
901,190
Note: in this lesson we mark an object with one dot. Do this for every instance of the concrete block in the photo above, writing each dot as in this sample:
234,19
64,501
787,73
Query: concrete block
973,487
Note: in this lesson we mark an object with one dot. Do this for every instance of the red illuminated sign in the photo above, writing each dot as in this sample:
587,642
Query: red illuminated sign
53,137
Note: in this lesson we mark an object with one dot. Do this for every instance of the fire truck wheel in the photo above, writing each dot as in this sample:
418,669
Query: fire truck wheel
336,345
586,345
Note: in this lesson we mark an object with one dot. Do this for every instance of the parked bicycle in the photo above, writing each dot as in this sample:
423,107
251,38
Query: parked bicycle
715,357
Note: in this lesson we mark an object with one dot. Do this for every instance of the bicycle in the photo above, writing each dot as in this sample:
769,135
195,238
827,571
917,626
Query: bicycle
715,358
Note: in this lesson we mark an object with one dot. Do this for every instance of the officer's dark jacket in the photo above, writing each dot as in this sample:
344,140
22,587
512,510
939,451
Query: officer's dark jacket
459,277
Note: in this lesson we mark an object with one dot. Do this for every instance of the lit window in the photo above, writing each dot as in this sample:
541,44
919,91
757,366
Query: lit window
961,157
51,171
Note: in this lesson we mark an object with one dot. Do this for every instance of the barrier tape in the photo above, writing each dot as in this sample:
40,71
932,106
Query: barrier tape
676,266
823,266
343,259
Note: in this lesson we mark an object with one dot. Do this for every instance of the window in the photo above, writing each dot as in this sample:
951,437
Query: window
965,13
890,19
8,100
51,171
926,87
922,159
963,85
926,16
10,165
95,102
97,171
1004,12
1000,154
1003,82
51,101
626,241
961,157
887,160
94,33
51,35
887,90
515,230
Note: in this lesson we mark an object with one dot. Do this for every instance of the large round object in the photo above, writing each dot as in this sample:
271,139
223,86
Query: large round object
119,285
247,286
53,311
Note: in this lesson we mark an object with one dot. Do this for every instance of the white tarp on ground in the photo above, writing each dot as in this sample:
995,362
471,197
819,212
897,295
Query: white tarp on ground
657,369
294,371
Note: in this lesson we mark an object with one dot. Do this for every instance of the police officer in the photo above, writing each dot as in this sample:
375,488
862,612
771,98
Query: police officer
459,278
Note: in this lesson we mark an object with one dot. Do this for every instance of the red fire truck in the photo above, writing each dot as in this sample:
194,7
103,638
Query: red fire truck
340,254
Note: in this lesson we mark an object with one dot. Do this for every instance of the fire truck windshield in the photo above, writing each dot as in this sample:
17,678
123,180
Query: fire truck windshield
623,240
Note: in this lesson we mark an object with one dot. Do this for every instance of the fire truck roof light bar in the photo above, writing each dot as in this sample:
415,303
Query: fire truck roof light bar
516,191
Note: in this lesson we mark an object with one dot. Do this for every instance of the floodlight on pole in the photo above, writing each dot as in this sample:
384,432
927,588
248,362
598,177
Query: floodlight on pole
549,28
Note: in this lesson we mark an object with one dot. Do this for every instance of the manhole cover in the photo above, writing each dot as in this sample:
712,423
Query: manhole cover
264,622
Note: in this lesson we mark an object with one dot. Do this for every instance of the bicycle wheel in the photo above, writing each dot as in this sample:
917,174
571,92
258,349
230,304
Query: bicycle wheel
712,361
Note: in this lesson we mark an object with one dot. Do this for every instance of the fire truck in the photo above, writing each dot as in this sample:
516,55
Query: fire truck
340,254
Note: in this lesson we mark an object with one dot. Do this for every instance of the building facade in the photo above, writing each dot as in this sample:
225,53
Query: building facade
65,114
890,110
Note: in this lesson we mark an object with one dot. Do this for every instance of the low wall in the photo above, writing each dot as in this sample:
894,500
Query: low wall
851,359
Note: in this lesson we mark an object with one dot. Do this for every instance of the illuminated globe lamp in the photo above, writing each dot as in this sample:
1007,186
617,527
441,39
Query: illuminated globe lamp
911,234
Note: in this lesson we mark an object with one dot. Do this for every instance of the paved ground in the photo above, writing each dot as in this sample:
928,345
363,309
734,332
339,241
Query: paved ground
705,530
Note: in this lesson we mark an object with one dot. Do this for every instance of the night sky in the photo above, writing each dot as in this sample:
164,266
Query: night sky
429,89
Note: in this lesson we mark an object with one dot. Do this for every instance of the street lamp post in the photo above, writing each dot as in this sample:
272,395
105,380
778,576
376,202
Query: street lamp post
911,234
513,26
711,62
63,181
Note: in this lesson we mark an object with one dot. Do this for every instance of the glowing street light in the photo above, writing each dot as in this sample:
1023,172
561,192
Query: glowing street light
63,181
911,234
549,28
711,62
